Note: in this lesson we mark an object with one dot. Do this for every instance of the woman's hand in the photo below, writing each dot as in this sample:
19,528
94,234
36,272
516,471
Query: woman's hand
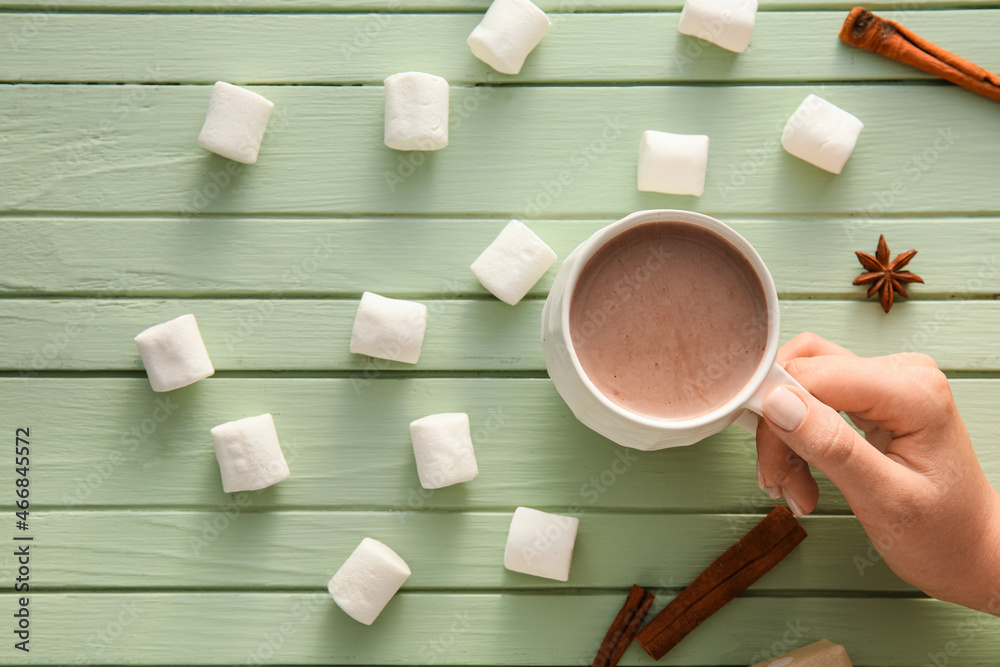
913,481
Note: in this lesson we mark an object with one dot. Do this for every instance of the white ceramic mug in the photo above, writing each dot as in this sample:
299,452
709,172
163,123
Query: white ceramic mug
612,420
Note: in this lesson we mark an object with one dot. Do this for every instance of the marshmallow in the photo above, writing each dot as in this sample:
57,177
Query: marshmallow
174,354
416,112
540,543
442,444
513,263
821,133
728,23
507,34
389,328
235,123
823,653
249,454
367,580
672,163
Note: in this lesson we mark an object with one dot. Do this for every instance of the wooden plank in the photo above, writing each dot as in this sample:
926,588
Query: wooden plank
481,629
896,10
544,152
113,257
237,547
106,442
462,335
365,48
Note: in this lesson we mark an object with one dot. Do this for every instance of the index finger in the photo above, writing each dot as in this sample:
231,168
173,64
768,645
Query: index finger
899,398
808,344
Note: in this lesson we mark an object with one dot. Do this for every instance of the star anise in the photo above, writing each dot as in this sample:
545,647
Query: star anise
885,276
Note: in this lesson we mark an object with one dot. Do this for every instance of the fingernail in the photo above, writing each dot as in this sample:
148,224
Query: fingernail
760,476
785,409
775,493
792,505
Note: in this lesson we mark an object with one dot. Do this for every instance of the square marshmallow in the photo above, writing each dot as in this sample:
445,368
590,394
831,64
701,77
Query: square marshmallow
513,263
727,23
674,164
369,578
540,544
509,31
174,354
821,133
442,445
389,328
249,454
235,123
416,112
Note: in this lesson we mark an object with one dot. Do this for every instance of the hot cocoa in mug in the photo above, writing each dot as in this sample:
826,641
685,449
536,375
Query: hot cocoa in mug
662,329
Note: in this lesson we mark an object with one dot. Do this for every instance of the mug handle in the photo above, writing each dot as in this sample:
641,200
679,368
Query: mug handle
775,378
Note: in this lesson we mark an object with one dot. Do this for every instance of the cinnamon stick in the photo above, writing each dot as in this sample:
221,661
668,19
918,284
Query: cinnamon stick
733,572
623,629
868,31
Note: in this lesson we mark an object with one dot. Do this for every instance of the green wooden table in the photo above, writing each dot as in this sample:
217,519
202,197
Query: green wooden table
113,219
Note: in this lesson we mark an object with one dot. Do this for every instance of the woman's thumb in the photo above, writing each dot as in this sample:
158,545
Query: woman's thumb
825,440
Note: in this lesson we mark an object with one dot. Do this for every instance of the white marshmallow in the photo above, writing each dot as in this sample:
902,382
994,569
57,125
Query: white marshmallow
672,163
416,112
442,445
508,33
728,23
389,328
249,454
235,123
513,263
367,580
174,354
821,133
540,544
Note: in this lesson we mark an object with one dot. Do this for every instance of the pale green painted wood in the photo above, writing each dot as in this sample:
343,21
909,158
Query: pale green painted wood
898,10
240,548
133,148
474,336
475,629
786,46
105,442
167,257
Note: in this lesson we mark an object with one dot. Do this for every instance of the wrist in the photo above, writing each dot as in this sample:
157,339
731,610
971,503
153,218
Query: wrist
988,592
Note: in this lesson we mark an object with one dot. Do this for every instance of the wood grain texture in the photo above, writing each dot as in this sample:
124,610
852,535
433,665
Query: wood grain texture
112,442
462,335
365,48
113,219
240,548
528,152
474,629
894,9
129,256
